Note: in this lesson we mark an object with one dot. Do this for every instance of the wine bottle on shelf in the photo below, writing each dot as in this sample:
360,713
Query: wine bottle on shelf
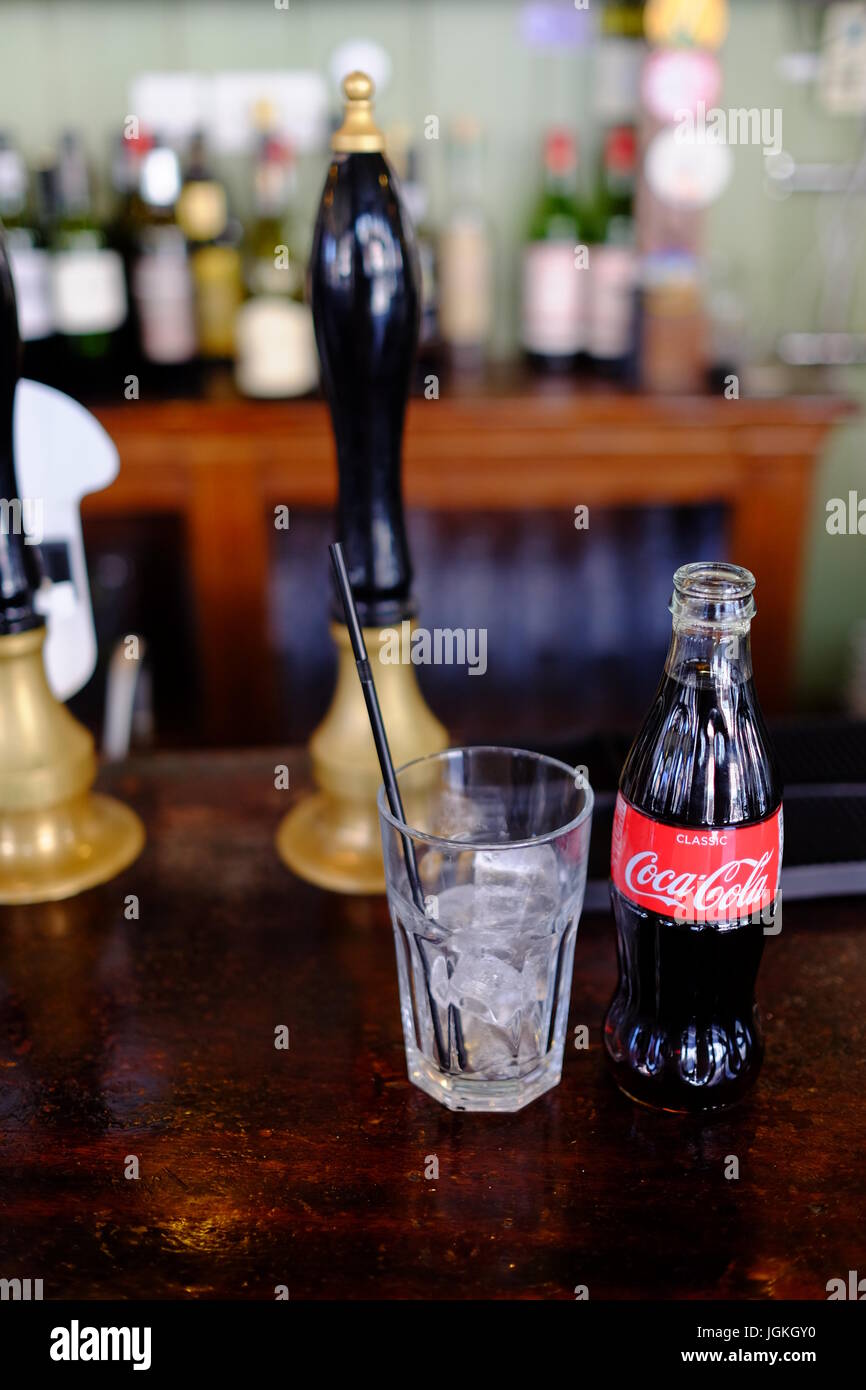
618,58
29,262
465,255
127,153
555,264
417,201
275,344
213,237
403,158
274,224
613,260
87,280
124,165
161,274
616,185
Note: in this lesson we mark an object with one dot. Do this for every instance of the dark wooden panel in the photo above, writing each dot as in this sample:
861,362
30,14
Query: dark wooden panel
576,623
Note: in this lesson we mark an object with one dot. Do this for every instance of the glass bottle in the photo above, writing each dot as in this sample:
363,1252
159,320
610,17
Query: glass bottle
88,283
465,255
696,860
275,344
29,262
162,276
213,240
555,263
611,323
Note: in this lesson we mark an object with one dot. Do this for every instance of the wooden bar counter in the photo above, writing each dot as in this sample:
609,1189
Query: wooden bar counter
138,1022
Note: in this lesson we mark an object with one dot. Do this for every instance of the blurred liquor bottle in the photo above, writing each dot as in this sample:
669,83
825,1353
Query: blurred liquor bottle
417,202
465,255
614,203
617,67
127,154
404,160
29,261
213,238
87,280
613,259
622,19
673,339
125,160
275,343
161,276
555,264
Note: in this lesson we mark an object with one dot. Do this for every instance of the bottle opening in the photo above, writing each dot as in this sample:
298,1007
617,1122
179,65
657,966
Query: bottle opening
713,592
714,579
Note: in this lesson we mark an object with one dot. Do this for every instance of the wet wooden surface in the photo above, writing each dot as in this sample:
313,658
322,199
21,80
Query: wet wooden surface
154,1037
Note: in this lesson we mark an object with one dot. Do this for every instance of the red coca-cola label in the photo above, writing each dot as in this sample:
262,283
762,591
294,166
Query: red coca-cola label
694,873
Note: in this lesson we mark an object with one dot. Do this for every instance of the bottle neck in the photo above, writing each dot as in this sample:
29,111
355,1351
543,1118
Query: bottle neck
465,176
559,182
712,609
722,656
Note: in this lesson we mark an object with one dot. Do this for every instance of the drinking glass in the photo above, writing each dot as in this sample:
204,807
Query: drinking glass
485,882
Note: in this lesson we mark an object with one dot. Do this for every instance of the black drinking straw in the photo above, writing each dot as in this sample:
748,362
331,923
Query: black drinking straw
380,738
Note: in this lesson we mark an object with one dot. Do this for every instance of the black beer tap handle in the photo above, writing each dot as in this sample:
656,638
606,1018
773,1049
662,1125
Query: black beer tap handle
364,289
20,563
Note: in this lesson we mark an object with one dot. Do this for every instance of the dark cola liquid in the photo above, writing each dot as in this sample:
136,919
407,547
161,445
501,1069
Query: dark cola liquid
683,1031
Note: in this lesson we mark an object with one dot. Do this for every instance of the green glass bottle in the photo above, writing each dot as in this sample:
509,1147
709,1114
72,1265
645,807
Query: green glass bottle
275,347
162,277
213,237
29,262
88,283
611,320
555,263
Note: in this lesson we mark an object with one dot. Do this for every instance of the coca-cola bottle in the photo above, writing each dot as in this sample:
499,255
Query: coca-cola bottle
695,861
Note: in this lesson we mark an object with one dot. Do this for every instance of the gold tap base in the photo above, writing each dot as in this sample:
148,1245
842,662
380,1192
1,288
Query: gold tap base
57,838
332,845
56,853
331,837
